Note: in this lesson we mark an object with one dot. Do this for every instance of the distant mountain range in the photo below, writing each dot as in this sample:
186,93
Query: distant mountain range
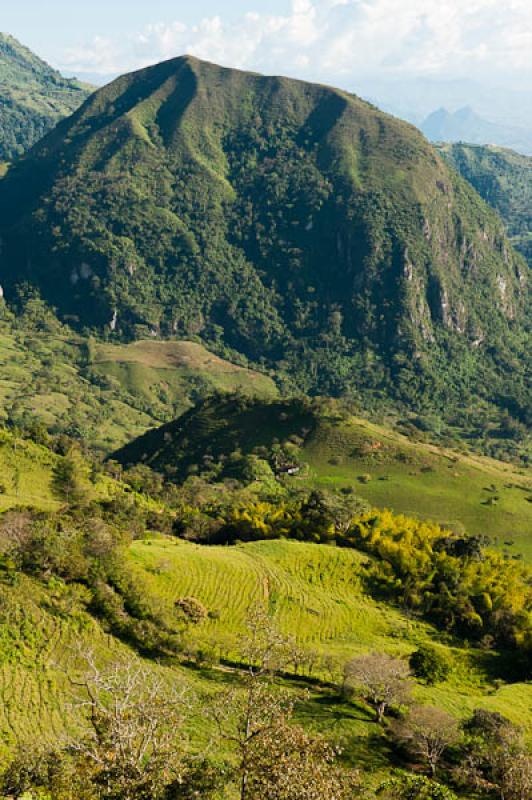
465,125
33,98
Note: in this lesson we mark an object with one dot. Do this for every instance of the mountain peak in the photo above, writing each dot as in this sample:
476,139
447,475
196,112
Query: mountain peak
288,221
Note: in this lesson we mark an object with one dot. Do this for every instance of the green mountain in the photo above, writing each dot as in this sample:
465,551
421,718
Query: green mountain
504,179
293,223
33,98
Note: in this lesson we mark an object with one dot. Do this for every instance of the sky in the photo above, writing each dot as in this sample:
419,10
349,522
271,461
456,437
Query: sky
333,41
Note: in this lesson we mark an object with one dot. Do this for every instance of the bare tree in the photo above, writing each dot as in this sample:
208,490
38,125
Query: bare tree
516,778
289,763
381,679
427,732
134,743
496,756
275,759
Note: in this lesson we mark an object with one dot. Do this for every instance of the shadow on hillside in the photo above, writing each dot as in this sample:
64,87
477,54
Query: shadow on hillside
363,743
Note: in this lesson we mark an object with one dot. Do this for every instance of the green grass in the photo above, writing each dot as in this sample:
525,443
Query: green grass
455,489
171,375
459,490
25,474
315,594
109,394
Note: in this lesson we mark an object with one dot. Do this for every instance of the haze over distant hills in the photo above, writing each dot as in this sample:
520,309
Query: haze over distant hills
33,97
467,126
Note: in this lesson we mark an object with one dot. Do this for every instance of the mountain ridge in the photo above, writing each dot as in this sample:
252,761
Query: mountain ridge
504,179
34,97
465,125
292,222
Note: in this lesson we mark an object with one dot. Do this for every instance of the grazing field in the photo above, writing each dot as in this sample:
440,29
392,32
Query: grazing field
461,491
25,474
313,591
171,376
109,394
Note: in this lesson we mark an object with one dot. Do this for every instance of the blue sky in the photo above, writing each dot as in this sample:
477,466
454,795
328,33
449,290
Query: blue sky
334,41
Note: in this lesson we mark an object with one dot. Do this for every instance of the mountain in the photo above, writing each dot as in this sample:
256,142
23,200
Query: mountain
33,98
293,223
465,125
504,179
415,98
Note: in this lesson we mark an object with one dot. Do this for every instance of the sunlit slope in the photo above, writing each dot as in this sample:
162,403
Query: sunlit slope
467,493
108,394
316,595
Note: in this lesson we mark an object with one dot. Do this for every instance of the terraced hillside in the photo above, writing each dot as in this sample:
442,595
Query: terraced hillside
316,595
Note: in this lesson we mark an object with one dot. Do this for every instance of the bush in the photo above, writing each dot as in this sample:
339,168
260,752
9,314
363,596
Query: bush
430,664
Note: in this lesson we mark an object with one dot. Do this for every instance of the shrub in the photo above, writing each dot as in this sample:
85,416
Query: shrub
192,608
430,664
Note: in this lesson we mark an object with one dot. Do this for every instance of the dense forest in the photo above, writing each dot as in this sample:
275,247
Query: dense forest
33,98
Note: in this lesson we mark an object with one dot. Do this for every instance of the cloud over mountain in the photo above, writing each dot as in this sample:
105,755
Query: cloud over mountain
337,40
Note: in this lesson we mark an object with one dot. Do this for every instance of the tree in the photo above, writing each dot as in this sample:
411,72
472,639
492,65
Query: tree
427,732
496,754
382,680
430,664
68,481
288,763
134,743
276,760
414,787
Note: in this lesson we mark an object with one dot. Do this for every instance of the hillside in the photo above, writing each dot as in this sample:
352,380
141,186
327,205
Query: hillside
315,595
33,98
104,394
504,179
291,222
465,125
90,583
335,450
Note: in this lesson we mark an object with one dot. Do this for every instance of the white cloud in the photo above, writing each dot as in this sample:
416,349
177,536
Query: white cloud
338,40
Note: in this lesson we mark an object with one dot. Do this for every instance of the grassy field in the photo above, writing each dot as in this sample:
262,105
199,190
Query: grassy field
109,394
315,594
174,375
459,490
465,492
25,474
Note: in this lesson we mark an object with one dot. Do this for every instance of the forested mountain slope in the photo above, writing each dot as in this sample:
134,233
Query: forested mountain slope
33,98
293,223
504,179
